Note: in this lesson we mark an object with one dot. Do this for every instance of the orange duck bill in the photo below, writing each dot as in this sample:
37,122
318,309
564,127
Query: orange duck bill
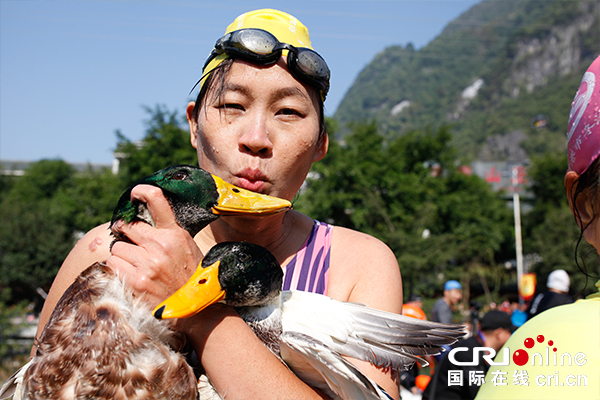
236,201
200,291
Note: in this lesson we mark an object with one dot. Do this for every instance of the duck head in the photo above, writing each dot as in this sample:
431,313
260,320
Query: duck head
197,198
240,274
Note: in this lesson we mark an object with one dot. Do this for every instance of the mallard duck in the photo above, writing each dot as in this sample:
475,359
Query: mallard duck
197,198
310,332
99,342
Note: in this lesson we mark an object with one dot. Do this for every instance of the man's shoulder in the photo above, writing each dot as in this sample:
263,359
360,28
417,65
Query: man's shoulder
440,303
352,257
354,250
560,298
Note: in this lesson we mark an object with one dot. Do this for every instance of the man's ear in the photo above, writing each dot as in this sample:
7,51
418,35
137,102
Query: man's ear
189,111
322,149
582,209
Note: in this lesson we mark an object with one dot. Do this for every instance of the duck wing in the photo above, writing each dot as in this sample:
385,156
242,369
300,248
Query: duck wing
384,339
14,384
325,369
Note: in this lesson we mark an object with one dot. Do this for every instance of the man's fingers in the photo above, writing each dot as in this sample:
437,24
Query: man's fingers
132,255
157,204
135,232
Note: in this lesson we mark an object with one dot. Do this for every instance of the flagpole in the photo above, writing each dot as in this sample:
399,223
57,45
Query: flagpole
518,240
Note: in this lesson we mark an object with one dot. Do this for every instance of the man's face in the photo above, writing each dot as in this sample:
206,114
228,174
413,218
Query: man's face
455,295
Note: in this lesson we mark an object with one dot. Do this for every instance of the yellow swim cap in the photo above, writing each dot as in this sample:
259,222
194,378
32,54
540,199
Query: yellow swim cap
285,27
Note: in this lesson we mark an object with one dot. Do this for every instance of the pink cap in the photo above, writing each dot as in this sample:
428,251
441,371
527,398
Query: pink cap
584,121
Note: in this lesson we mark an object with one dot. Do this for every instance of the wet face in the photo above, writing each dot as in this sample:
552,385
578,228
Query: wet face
262,132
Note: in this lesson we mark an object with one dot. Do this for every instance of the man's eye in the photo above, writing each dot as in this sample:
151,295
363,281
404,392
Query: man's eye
233,106
289,111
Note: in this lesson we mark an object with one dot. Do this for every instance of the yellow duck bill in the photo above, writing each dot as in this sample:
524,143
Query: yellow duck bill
200,291
236,201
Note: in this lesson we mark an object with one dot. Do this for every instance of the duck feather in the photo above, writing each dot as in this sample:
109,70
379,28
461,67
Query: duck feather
385,339
325,369
102,343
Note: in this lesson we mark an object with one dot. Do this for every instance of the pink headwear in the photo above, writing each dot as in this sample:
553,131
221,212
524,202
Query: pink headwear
584,121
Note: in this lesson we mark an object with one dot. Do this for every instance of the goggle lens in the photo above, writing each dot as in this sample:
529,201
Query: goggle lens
248,39
312,64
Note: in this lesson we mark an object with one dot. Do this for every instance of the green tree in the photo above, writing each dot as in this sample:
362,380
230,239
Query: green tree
547,174
36,231
12,320
478,227
166,142
42,216
91,198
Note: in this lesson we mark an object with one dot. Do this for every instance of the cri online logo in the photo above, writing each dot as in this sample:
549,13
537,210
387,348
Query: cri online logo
521,356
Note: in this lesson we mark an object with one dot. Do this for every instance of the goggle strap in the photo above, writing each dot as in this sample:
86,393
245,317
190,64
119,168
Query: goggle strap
204,76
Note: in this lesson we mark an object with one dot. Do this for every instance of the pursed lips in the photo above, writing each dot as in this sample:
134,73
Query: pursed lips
251,179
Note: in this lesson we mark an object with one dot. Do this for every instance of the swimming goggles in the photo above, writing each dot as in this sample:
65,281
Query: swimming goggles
261,47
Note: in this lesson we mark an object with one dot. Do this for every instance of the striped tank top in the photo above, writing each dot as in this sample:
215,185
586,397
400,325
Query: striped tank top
308,271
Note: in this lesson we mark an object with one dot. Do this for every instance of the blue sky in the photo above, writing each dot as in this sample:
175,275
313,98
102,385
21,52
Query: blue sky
73,72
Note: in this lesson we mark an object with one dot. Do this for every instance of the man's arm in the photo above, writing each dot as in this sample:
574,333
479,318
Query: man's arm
93,247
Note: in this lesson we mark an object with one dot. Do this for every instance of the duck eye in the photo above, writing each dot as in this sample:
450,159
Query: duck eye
243,257
179,176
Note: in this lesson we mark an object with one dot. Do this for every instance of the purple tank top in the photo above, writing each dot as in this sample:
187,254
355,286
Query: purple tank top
308,271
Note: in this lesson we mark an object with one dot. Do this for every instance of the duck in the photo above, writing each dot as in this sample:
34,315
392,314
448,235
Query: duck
197,198
100,341
311,333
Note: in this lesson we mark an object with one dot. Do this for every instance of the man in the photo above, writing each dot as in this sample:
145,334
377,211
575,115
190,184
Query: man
558,293
442,311
496,328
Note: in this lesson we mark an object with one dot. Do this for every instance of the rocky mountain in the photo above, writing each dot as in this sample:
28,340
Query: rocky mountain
503,75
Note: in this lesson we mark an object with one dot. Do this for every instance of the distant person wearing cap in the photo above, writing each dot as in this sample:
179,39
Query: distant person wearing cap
573,328
258,123
496,328
558,288
442,309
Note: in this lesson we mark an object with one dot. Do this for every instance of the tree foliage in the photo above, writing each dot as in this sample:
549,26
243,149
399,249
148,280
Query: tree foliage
37,229
165,143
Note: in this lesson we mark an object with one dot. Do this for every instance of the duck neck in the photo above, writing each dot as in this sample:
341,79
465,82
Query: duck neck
265,322
282,234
